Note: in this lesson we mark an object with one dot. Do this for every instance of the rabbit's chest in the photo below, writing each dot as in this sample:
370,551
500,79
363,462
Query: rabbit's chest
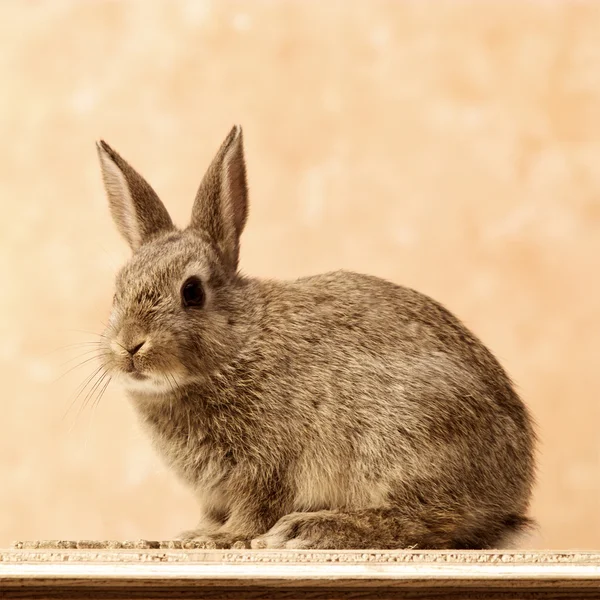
192,454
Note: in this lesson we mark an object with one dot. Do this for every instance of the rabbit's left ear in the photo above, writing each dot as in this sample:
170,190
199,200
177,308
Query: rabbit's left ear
221,205
137,211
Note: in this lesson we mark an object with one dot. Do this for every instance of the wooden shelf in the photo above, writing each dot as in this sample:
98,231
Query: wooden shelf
169,570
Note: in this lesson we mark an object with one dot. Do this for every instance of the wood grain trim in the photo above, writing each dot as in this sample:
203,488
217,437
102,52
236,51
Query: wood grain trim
114,571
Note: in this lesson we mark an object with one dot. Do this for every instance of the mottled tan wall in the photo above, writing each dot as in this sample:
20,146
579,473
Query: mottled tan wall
450,146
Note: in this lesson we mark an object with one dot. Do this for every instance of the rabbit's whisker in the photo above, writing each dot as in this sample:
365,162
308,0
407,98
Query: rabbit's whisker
81,388
100,392
96,343
80,364
82,354
94,388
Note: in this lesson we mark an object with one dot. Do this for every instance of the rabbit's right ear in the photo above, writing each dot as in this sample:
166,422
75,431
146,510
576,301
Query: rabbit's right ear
137,211
221,205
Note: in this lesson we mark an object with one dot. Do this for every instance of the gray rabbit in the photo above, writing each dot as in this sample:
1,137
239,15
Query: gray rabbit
336,411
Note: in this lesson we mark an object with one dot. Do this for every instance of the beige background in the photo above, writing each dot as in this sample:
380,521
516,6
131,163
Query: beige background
450,146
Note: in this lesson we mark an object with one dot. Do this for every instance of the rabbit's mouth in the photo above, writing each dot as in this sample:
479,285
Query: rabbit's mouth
130,369
137,375
144,368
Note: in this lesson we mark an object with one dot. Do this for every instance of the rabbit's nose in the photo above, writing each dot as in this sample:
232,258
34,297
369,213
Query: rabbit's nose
134,349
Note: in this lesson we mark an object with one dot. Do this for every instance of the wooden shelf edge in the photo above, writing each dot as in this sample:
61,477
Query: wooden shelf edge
149,572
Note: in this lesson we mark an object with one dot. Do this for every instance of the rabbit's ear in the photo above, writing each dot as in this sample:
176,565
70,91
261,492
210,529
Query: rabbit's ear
221,205
137,211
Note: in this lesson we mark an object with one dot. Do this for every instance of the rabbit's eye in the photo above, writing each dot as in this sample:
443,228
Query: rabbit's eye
192,292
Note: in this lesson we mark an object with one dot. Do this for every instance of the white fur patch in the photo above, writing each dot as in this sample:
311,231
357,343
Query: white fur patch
153,385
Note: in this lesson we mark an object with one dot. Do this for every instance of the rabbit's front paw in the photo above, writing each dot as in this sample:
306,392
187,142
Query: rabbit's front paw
190,534
294,531
198,538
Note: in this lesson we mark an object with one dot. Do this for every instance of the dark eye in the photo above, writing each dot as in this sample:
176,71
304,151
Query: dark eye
192,292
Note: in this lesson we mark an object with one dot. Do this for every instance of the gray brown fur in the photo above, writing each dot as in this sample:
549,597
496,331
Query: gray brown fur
335,411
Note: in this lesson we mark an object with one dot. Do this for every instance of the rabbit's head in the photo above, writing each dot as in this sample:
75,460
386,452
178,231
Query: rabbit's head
172,320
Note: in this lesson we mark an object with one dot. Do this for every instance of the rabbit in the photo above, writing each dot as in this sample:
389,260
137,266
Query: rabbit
337,411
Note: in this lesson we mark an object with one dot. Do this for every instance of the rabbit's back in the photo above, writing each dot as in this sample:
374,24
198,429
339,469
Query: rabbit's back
385,393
